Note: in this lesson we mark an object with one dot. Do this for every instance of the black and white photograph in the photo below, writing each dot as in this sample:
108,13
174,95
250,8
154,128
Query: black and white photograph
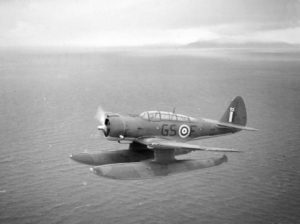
150,111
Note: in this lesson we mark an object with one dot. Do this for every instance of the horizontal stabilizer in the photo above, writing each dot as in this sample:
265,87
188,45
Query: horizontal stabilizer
230,125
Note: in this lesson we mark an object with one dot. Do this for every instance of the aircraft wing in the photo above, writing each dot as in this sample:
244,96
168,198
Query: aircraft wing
230,125
161,144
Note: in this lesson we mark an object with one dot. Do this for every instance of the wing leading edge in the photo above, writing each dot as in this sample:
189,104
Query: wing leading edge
230,125
164,144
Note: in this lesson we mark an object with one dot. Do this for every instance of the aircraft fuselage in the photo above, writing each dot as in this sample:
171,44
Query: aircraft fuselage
128,127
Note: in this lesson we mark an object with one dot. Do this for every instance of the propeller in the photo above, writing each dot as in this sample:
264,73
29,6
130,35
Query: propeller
100,116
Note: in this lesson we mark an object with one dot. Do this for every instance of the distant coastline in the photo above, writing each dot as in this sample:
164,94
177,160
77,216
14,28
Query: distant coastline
248,45
251,45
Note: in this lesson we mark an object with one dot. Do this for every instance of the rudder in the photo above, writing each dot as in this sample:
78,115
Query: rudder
236,112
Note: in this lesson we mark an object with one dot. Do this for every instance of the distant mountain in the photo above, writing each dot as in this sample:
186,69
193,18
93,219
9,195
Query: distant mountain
215,44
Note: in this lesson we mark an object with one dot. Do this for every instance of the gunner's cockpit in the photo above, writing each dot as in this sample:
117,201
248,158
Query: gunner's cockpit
164,116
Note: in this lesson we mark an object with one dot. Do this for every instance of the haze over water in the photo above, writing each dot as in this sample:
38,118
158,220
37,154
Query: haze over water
48,102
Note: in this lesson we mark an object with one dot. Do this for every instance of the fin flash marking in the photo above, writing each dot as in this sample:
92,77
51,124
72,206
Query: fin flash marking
231,114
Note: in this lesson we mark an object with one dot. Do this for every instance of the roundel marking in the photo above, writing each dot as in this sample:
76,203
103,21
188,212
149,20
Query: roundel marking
184,131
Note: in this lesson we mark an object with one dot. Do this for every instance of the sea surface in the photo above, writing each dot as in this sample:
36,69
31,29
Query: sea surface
48,100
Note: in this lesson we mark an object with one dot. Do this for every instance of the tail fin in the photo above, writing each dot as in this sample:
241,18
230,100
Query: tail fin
236,112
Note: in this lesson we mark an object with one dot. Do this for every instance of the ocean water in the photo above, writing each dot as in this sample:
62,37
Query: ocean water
47,108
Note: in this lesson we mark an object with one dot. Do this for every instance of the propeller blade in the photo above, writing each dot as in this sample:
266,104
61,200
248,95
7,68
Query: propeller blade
100,115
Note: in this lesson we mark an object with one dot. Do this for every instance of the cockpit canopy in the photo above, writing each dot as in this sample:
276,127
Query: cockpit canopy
164,116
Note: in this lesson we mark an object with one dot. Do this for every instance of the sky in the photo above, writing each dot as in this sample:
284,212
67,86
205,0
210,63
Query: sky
146,22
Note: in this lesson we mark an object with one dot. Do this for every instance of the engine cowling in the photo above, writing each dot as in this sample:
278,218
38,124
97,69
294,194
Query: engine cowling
114,126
